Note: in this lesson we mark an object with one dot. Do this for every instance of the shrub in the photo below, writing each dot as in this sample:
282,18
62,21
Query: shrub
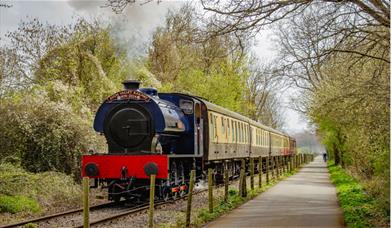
45,135
14,204
47,188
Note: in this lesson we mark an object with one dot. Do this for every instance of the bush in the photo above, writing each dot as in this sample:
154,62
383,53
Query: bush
47,188
45,135
14,204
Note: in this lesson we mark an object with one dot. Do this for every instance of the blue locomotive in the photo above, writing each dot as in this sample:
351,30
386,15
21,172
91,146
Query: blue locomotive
169,134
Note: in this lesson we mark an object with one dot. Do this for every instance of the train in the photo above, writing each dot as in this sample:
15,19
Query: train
168,135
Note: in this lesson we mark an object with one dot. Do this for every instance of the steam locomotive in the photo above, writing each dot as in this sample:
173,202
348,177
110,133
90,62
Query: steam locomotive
169,134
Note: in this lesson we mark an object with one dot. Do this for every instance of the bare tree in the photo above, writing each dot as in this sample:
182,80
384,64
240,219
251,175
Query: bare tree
118,6
263,86
353,18
4,5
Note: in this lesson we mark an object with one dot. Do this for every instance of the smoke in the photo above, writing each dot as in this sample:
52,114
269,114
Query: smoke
133,28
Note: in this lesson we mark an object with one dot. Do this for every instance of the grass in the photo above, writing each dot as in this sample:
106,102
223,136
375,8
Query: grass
359,208
22,191
15,204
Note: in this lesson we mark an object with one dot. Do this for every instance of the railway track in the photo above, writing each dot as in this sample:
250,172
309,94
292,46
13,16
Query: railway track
56,215
120,213
140,208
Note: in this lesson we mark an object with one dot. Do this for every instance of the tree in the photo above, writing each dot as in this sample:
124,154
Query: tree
52,81
351,109
263,85
252,16
184,58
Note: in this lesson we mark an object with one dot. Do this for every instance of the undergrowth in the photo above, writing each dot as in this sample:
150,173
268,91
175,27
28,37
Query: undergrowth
24,191
14,204
359,208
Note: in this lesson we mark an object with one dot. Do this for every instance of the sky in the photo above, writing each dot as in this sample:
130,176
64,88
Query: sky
134,27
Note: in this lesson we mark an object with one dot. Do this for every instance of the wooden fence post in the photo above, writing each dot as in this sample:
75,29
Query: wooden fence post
278,166
283,164
288,163
301,159
226,182
274,167
252,173
244,182
86,202
151,200
189,198
291,159
241,182
267,169
260,172
210,189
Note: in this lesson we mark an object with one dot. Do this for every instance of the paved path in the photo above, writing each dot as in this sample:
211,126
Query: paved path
306,199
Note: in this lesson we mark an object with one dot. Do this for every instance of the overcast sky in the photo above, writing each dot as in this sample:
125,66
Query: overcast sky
133,27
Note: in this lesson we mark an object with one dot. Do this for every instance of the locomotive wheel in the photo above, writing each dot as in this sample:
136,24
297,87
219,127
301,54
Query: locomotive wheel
166,194
183,193
117,198
175,195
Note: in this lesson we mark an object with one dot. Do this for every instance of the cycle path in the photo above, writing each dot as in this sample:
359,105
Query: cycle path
306,199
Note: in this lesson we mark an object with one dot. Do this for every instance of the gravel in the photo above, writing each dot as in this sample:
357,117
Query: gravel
168,214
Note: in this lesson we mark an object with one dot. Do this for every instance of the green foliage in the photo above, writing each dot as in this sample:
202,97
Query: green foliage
31,225
223,86
234,200
46,188
47,125
360,209
15,204
44,134
351,109
209,68
90,62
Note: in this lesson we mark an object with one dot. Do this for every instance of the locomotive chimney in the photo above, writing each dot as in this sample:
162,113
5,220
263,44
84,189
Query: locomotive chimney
131,84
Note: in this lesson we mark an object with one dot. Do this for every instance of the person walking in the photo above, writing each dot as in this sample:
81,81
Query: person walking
324,156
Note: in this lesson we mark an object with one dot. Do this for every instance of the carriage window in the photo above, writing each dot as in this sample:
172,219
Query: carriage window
236,132
228,129
211,128
245,133
240,132
215,125
233,132
260,137
222,126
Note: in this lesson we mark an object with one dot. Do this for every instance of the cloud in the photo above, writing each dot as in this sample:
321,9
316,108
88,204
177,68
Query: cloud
132,28
85,5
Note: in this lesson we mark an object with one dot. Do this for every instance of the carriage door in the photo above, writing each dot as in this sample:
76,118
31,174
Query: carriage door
198,130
